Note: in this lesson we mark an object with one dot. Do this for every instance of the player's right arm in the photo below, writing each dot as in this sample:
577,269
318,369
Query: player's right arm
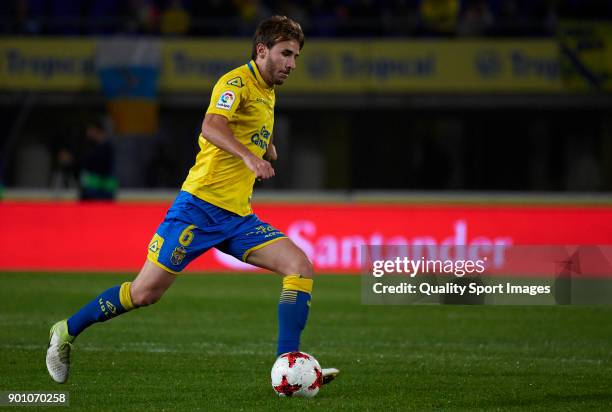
216,130
226,97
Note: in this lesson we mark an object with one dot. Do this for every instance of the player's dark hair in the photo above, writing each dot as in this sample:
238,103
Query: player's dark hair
274,30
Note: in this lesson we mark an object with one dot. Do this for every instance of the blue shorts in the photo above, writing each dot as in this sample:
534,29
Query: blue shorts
192,226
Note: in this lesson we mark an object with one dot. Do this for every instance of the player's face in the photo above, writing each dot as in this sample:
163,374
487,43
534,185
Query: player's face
280,60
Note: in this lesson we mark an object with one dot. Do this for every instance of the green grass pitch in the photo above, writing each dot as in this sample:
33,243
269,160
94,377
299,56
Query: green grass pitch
209,345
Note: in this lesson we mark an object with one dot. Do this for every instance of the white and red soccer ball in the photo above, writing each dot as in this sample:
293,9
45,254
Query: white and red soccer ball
296,374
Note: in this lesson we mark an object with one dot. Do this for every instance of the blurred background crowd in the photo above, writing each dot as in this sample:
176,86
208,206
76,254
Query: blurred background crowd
319,18
477,138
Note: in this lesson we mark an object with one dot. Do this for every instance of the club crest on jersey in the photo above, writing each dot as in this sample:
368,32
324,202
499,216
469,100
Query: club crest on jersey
226,100
178,255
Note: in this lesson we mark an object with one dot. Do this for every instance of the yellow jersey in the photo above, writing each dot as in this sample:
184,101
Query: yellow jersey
218,177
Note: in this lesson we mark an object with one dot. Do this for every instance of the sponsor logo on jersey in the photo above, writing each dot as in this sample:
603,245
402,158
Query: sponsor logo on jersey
226,100
236,81
155,246
266,231
262,230
261,138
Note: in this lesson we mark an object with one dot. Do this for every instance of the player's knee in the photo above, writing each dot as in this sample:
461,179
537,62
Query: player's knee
145,297
301,267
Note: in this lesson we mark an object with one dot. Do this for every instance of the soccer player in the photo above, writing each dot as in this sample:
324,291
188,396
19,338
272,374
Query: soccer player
213,208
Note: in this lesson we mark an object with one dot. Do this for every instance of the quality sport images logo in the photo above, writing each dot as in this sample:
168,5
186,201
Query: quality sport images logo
226,100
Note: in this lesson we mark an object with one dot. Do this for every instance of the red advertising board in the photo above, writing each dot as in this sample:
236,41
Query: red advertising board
112,237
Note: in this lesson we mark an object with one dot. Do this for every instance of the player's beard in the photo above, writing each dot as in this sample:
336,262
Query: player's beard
273,72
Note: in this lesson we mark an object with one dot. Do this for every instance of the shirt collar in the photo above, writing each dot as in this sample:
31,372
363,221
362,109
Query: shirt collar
255,72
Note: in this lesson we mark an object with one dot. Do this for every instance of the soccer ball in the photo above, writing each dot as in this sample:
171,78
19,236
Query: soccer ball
296,374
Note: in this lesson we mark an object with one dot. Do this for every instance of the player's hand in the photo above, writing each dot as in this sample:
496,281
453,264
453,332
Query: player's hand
262,168
270,154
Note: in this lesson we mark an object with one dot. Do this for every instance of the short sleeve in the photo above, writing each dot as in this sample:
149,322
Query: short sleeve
226,96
